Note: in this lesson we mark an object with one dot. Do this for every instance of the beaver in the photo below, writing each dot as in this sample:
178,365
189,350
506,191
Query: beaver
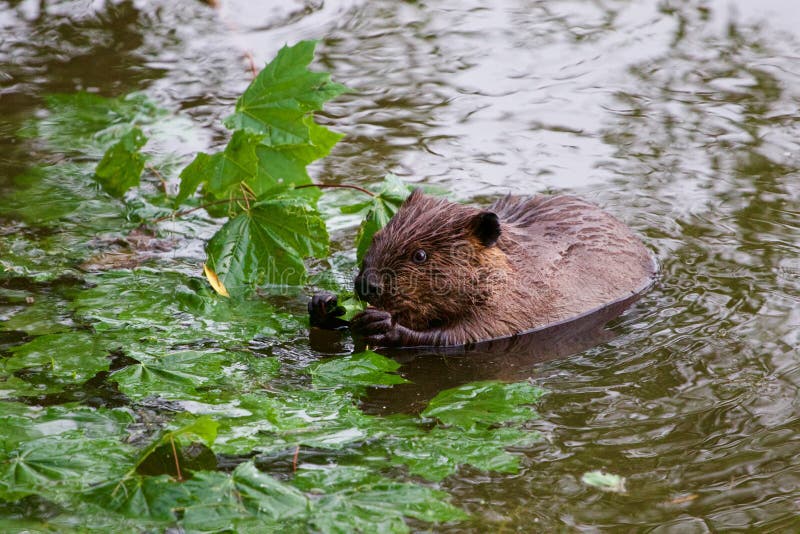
443,274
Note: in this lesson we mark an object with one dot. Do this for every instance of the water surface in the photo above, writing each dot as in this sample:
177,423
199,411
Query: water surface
678,117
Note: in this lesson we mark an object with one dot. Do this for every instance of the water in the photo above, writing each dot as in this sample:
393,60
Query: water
679,117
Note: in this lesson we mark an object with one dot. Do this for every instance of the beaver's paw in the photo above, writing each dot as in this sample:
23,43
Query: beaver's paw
324,311
376,327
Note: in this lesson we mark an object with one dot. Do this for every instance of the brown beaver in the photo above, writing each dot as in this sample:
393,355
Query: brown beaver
442,273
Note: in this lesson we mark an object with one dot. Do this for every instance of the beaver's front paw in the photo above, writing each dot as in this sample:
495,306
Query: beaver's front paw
376,327
324,311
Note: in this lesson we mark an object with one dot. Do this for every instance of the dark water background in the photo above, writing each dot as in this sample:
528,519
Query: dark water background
680,117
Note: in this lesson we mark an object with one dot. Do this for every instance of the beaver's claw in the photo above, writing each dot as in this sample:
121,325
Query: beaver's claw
376,327
324,311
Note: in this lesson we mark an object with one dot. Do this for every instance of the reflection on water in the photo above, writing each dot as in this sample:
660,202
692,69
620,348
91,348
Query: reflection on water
680,117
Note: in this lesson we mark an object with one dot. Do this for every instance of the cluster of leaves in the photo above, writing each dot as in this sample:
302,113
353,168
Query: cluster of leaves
259,180
123,391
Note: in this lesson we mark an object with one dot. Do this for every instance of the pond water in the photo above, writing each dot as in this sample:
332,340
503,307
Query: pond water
679,117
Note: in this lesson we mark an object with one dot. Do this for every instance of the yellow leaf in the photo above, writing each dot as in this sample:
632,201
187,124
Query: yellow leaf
215,282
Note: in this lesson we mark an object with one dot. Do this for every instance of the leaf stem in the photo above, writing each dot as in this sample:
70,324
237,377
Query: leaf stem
175,455
337,186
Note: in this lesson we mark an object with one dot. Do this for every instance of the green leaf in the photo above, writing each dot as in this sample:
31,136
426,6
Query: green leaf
484,403
363,369
174,376
286,164
59,449
379,210
264,496
122,164
144,497
282,94
90,123
64,358
209,501
440,452
267,244
355,499
324,419
221,172
604,481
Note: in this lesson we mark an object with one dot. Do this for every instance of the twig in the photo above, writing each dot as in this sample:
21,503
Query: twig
294,460
157,175
175,455
252,62
337,186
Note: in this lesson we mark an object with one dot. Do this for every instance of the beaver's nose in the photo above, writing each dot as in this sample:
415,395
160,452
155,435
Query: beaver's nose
367,287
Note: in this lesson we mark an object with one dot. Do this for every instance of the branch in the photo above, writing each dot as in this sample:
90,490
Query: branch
337,186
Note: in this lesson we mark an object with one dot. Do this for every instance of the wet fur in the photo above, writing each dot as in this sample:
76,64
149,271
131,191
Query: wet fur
556,257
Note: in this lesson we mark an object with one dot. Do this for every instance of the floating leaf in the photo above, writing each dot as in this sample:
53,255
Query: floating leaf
64,358
282,94
267,244
59,449
122,164
439,452
363,369
484,403
175,376
355,499
88,122
604,481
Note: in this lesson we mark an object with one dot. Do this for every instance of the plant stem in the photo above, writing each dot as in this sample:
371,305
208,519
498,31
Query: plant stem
175,455
337,186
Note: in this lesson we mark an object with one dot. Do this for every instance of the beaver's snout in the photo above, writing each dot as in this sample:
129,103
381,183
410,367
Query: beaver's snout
368,286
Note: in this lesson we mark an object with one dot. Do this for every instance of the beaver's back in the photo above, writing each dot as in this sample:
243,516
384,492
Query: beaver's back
572,253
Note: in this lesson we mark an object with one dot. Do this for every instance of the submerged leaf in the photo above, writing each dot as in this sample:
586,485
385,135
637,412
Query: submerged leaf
122,164
604,481
64,358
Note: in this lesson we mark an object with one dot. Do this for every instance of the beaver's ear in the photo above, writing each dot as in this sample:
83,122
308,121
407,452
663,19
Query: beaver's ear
486,227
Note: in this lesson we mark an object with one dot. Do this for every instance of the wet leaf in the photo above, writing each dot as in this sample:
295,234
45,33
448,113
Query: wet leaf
64,358
438,453
223,172
484,403
59,449
122,164
267,244
604,481
174,376
88,122
213,279
363,369
355,499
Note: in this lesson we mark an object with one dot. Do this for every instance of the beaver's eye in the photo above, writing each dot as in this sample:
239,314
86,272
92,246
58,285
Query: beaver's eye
419,256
